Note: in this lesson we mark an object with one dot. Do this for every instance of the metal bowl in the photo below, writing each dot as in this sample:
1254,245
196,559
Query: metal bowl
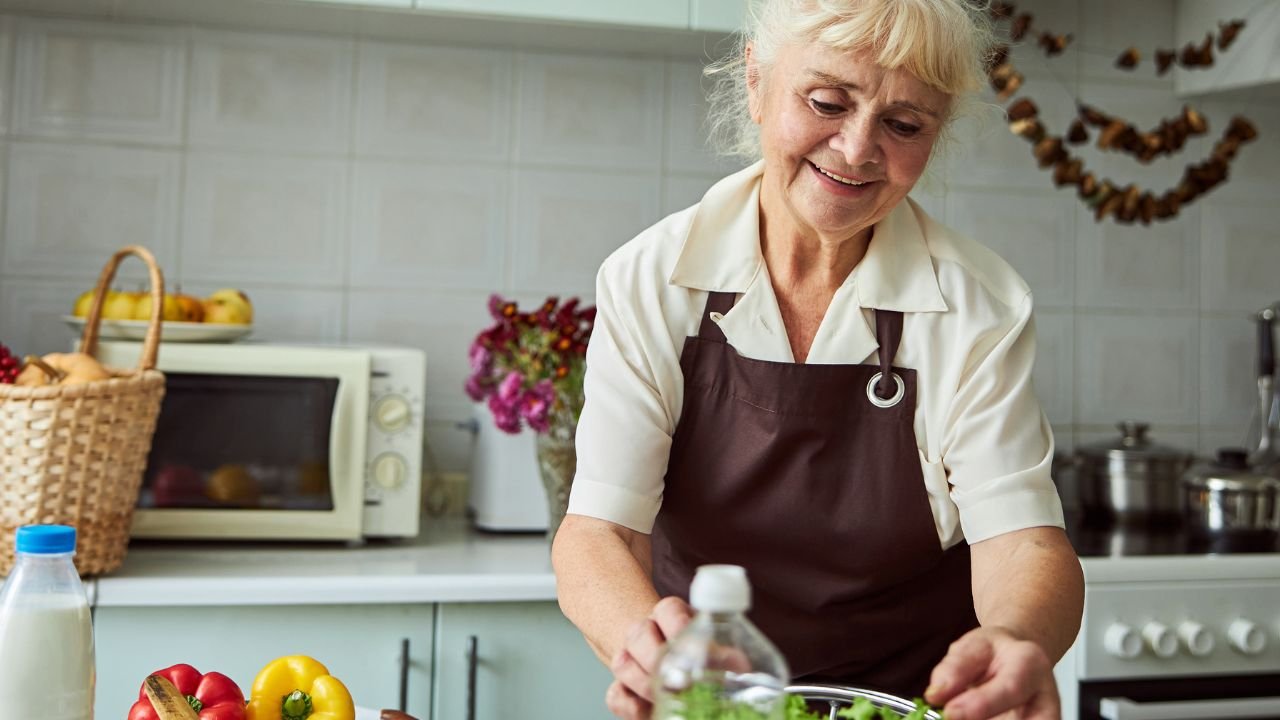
840,696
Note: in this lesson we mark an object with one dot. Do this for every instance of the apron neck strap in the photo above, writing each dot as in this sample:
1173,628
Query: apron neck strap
720,303
888,335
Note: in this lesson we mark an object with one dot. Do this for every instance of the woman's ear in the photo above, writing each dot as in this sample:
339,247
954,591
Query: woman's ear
755,97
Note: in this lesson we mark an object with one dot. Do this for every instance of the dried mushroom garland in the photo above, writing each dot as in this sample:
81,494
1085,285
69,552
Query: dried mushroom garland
1130,203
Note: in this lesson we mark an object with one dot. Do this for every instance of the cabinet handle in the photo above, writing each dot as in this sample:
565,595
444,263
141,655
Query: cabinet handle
404,674
473,659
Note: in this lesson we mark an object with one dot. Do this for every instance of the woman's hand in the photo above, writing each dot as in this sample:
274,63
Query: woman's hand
991,673
630,697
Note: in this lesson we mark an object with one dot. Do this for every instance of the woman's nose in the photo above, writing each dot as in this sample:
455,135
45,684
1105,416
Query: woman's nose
858,142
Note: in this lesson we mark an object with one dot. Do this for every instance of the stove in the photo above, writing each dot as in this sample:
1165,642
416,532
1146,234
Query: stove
1174,626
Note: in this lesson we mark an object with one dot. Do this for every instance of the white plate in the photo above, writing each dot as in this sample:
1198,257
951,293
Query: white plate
169,331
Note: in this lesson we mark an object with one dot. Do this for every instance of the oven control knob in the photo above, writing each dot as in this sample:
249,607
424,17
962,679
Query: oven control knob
390,470
1246,637
1160,639
1121,641
392,413
1198,640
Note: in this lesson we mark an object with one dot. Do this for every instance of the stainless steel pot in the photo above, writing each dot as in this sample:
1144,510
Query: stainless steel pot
1130,479
1227,497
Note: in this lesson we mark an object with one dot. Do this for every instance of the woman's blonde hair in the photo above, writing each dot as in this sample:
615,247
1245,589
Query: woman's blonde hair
944,43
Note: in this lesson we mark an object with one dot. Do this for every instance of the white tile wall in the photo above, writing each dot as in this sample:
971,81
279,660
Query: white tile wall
590,110
275,92
254,217
100,81
70,206
375,191
429,225
434,102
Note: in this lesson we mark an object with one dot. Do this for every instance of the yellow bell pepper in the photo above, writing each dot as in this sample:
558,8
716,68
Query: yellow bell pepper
296,687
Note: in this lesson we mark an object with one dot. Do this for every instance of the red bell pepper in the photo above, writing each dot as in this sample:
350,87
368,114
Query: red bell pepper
213,696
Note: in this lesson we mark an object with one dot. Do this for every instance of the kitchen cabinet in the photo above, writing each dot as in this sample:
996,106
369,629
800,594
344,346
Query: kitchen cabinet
360,644
650,13
528,661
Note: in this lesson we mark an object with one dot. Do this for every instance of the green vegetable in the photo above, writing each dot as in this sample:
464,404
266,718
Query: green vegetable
704,701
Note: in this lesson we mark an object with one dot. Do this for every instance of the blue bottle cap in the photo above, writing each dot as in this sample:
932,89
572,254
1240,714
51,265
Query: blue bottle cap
46,539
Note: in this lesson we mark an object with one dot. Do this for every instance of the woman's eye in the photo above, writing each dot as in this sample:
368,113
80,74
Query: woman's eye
825,108
903,128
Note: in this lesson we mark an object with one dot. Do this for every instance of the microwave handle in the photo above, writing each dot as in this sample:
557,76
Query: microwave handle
1121,708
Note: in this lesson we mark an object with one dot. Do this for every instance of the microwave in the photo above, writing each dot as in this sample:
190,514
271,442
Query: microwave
282,442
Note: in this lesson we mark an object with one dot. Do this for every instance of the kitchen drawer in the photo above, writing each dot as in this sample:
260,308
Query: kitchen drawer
360,644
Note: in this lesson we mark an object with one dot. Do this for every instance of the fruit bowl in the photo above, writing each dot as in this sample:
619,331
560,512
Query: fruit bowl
170,331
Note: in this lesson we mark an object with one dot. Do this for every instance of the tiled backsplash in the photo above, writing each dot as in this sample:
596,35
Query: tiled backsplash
375,191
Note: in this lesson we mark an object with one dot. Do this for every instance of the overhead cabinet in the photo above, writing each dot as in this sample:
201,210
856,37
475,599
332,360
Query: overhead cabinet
656,27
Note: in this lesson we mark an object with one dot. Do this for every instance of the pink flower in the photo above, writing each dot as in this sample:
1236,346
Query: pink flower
474,387
479,357
509,388
535,407
505,414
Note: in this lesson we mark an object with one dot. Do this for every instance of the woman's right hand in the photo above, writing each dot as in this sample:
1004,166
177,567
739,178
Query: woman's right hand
630,697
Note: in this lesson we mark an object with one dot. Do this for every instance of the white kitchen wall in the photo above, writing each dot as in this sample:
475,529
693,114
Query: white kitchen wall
375,191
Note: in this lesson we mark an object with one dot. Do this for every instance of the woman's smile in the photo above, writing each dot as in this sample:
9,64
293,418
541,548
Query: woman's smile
842,185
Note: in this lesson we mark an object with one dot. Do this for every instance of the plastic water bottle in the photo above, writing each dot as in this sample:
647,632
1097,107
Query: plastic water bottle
720,665
46,635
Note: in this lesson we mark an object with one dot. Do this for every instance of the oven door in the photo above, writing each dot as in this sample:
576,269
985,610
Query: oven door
1204,698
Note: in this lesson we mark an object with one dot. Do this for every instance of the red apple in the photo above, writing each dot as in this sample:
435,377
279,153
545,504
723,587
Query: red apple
176,485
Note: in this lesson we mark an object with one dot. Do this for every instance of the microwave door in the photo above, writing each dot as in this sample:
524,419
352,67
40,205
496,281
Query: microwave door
267,447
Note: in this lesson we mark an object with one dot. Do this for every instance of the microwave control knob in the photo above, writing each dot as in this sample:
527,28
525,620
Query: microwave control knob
392,413
1160,639
390,470
1198,640
1246,637
1121,641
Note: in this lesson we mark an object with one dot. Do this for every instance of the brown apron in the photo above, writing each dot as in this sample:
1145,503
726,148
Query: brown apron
795,473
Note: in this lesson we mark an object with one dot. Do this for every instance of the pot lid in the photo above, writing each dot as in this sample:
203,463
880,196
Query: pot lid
1229,472
1133,444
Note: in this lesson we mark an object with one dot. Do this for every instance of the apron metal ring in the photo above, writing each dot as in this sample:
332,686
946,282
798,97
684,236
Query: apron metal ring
883,402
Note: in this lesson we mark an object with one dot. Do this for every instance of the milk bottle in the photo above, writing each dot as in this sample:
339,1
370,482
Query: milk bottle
46,636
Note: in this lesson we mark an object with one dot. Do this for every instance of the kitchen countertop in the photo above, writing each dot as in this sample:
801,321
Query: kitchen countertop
448,562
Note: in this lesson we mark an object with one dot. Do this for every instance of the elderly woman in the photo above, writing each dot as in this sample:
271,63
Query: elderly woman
807,375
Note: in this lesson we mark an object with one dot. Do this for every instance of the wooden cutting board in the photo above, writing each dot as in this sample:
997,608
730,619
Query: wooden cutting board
168,702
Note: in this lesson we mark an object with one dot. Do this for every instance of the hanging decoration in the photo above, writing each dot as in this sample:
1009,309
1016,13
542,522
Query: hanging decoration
1129,203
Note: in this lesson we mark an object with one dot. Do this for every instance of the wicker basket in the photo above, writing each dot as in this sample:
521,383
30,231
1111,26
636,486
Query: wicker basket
74,454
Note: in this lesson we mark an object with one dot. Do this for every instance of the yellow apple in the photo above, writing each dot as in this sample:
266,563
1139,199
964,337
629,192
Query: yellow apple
228,306
119,305
83,303
236,297
170,309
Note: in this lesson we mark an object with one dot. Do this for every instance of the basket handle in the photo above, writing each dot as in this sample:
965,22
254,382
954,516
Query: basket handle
151,345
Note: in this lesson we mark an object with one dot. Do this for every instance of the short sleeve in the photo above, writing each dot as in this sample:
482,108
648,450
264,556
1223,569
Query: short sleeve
997,445
624,434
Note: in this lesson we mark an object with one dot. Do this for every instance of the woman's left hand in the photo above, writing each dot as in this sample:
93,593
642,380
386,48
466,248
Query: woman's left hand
992,673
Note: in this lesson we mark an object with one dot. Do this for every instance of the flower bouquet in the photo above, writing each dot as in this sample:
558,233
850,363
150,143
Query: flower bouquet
529,368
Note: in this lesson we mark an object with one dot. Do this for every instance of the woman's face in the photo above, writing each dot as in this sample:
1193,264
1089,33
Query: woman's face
844,139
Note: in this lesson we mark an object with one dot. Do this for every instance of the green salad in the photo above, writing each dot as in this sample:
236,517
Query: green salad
704,701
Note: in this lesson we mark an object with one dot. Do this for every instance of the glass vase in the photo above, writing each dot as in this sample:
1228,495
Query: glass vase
557,463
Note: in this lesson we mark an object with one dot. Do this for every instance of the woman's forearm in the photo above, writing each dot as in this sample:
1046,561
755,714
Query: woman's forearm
603,580
1030,583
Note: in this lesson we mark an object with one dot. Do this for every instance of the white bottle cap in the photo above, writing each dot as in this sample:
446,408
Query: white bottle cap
720,588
